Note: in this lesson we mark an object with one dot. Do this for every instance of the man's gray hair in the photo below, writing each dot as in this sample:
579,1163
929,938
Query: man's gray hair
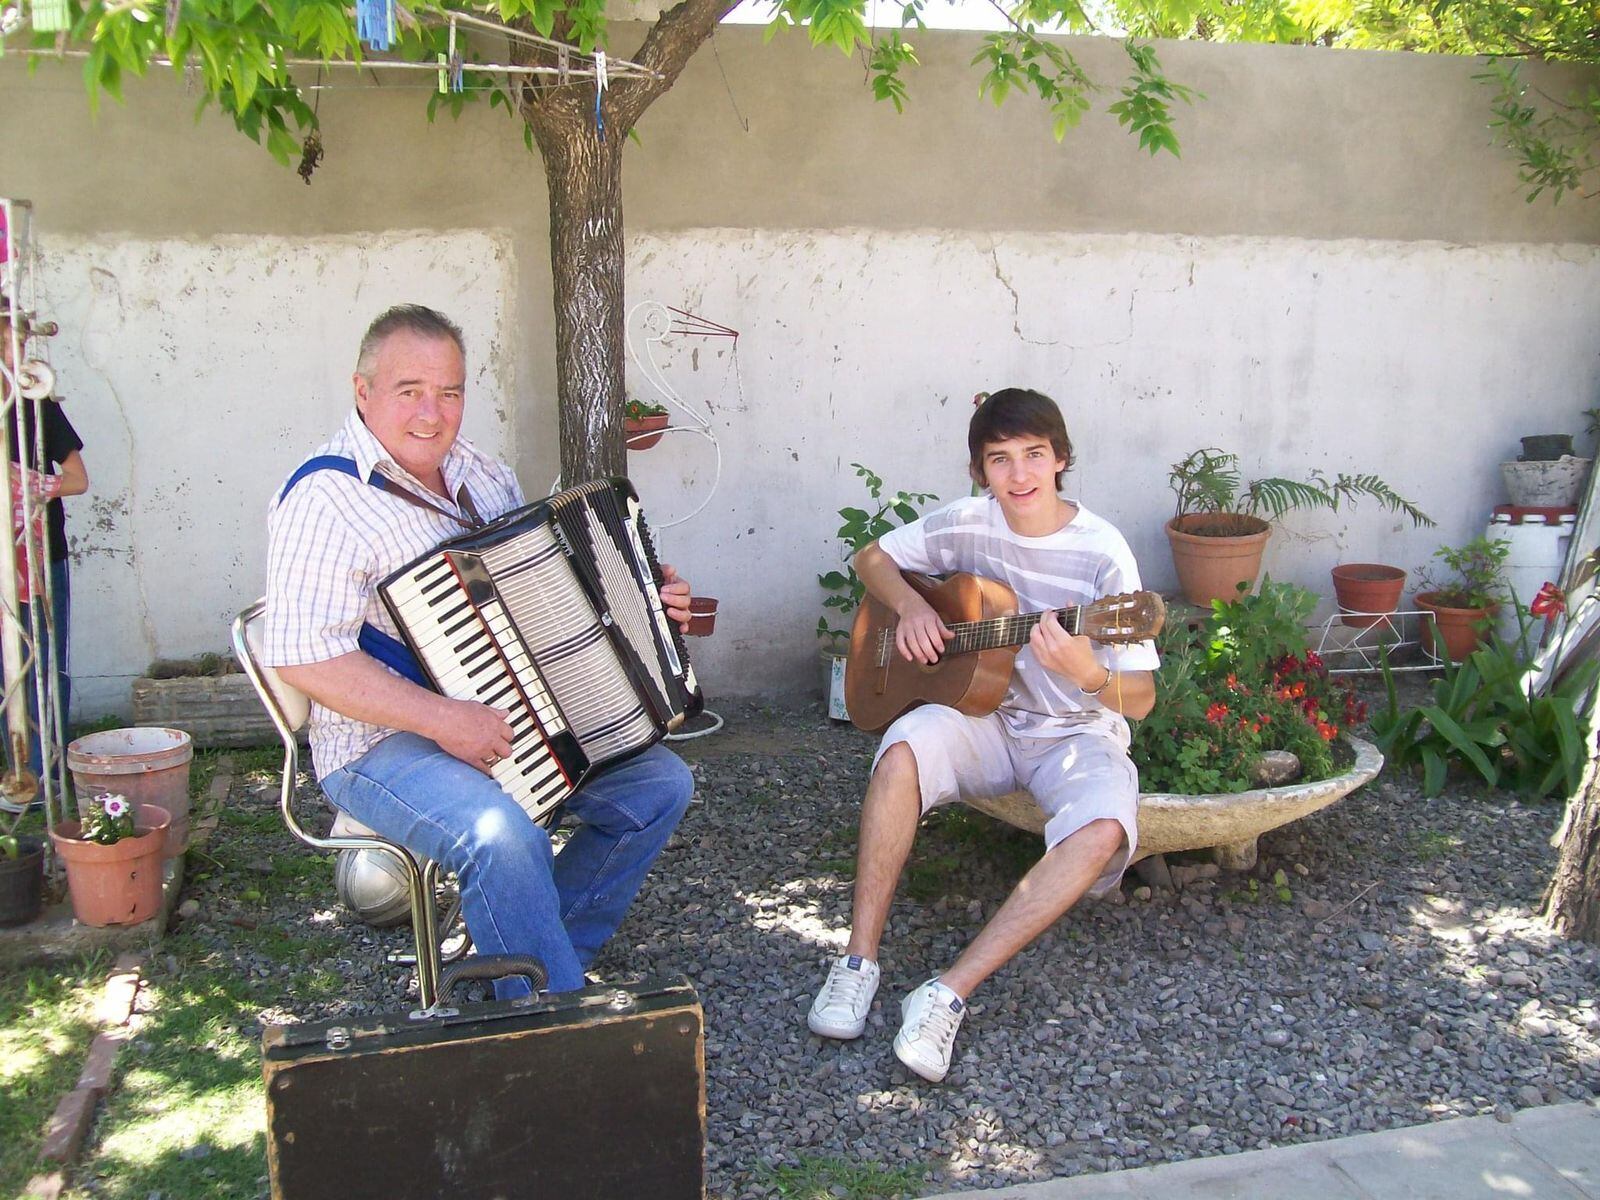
413,318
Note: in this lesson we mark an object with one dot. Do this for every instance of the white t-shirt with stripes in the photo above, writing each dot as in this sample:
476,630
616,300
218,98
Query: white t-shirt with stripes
1077,564
333,538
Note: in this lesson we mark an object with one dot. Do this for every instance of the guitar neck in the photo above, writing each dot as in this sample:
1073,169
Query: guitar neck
1005,631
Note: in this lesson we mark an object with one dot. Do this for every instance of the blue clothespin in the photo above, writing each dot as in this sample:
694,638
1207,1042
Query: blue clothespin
599,92
375,23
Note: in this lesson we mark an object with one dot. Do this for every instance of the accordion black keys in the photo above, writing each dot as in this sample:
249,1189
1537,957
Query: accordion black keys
554,613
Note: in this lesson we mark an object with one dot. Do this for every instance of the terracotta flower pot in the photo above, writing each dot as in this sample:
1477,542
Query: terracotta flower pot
1367,589
644,432
1215,552
22,883
1461,629
702,616
118,884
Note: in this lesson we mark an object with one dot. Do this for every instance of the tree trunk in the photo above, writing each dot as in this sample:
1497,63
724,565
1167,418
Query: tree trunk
1572,903
584,175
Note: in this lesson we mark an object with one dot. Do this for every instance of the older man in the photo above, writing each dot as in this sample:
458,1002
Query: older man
396,480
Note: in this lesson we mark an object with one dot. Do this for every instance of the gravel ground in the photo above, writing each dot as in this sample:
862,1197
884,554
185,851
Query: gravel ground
1405,978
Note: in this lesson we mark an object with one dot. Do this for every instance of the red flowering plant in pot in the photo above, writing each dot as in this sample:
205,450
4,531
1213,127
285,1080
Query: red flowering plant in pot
643,424
1240,685
113,858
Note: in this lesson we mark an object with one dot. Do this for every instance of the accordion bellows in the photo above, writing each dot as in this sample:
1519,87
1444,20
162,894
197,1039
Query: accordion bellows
552,612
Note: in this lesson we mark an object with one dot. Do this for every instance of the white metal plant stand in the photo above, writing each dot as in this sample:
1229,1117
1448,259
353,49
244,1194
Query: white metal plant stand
1351,650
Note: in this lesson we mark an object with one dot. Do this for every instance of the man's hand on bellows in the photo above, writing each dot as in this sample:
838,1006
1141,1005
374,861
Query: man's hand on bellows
675,596
475,733
921,635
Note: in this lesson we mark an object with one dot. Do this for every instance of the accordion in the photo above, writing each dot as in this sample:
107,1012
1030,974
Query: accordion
554,613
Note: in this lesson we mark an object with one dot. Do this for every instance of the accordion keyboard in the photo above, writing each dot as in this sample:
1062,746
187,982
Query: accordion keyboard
472,654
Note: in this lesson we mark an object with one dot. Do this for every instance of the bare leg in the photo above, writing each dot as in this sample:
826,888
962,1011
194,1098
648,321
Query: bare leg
889,817
1053,885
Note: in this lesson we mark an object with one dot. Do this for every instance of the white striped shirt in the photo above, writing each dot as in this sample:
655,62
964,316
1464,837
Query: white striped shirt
333,538
1077,564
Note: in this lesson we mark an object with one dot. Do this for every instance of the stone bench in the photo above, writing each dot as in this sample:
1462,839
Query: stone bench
1228,825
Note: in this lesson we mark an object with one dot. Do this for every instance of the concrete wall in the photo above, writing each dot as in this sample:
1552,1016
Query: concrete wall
1340,273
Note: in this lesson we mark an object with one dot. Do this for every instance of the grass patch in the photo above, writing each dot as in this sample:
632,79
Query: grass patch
1429,844
817,1178
47,1020
187,1116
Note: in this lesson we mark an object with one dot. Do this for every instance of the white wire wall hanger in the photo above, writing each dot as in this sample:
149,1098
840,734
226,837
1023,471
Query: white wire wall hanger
659,322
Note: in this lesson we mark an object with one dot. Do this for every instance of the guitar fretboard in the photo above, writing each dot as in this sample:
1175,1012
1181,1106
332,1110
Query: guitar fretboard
996,632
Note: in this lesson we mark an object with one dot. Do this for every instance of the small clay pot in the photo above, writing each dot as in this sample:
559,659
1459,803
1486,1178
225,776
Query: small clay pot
702,616
1366,591
1461,629
1542,447
119,884
645,432
22,882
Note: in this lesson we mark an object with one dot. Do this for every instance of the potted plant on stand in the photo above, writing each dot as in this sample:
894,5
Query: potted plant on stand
21,878
1220,529
643,423
845,590
1461,605
113,858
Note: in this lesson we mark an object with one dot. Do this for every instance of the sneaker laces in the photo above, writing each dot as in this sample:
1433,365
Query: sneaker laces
943,1023
844,986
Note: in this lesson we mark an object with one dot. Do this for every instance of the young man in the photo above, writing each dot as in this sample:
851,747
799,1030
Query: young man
1060,732
405,761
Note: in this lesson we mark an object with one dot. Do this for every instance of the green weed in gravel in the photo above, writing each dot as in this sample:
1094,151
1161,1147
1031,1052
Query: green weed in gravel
47,1020
817,1178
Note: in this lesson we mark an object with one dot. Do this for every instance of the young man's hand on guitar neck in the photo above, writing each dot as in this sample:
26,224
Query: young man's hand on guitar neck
1065,654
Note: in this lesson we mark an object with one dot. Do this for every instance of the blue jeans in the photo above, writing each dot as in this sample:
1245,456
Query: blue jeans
517,895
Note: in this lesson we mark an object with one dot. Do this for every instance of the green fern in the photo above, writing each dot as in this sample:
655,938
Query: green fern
1207,481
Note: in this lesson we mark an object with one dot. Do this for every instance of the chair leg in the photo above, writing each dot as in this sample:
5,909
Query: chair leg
425,930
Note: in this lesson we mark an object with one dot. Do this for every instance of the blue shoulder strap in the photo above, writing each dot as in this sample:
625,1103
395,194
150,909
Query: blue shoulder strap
325,462
390,651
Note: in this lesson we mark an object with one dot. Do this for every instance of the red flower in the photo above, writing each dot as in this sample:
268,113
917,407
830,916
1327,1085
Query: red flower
1217,713
1313,660
1550,603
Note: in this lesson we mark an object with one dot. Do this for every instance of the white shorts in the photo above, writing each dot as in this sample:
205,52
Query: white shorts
1078,777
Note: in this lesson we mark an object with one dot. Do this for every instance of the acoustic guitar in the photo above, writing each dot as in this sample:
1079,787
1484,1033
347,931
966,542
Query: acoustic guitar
975,669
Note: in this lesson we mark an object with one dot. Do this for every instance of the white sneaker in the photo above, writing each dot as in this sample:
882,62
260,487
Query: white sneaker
840,1009
930,1015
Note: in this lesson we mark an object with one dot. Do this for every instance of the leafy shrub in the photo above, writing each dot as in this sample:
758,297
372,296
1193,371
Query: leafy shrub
860,529
1484,717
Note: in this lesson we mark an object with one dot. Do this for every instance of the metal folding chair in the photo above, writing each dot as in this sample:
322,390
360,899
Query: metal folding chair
290,709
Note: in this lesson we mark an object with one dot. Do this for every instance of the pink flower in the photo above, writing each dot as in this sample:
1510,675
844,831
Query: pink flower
115,806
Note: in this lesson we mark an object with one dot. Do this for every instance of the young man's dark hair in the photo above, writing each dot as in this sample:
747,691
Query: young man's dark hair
1017,412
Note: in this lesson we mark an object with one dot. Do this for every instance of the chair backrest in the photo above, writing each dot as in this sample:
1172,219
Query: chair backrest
288,705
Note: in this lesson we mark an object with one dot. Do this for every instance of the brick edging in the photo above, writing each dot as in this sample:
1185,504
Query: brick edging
69,1125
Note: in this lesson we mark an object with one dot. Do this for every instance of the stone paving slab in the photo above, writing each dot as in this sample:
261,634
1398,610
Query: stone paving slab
1544,1153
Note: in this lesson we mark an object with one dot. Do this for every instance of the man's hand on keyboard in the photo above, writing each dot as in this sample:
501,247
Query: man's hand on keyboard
475,733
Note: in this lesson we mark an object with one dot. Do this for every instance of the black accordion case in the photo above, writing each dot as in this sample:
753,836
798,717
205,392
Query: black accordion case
590,1095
